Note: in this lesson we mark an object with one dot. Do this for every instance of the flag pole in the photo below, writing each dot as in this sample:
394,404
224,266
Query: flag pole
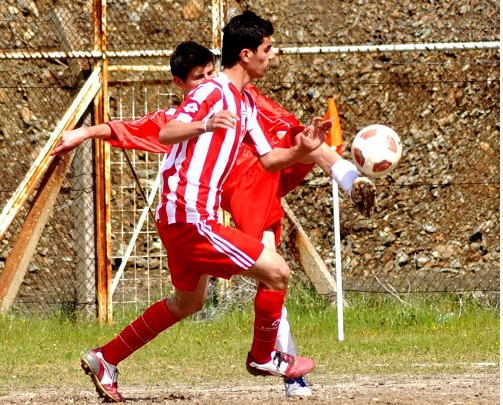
338,264
335,141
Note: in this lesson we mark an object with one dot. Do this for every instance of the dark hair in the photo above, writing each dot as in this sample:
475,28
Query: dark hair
244,31
187,56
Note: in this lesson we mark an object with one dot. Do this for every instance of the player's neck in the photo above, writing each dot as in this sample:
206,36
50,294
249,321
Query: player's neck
237,76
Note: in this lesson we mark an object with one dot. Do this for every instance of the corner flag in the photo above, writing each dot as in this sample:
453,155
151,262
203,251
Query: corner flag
334,138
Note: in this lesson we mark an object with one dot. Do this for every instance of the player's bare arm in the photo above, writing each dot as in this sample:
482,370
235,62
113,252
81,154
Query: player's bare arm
313,135
307,141
73,138
176,131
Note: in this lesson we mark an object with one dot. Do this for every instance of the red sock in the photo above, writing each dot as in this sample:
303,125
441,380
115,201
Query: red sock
268,306
154,320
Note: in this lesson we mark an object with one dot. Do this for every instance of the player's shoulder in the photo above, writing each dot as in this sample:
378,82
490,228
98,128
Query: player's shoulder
170,111
205,90
164,112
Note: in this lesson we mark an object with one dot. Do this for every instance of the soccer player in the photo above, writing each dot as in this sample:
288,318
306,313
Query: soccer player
206,133
192,63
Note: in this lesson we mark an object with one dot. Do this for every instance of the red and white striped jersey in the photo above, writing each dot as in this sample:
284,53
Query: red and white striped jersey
141,134
194,170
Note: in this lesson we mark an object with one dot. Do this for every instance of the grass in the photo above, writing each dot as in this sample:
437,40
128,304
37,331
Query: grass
446,335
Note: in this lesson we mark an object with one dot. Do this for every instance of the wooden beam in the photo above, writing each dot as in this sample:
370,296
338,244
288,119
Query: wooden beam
314,267
19,259
39,166
68,38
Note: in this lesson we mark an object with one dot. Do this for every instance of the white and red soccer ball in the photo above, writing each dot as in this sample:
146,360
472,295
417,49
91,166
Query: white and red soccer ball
376,150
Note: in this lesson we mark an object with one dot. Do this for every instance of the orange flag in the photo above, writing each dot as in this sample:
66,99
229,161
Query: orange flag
334,138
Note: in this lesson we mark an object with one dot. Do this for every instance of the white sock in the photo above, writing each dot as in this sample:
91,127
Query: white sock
284,341
344,173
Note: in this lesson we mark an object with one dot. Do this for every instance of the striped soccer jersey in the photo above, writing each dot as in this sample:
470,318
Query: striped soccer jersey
194,171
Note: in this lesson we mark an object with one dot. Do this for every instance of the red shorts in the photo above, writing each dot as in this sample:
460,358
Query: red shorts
252,195
253,203
206,248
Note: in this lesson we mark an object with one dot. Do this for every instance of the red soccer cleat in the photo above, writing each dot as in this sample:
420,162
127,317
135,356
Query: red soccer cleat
281,364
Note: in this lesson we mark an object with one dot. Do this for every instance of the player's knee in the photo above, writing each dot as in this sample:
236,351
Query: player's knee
272,270
182,308
195,307
280,276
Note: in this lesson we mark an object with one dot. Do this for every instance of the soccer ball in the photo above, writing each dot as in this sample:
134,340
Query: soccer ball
376,150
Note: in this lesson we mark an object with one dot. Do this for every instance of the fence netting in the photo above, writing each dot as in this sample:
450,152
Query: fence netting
436,227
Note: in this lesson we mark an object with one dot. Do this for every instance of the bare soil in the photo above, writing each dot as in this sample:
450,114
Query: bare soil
354,390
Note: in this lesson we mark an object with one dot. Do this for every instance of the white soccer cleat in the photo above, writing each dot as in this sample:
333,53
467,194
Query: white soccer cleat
297,387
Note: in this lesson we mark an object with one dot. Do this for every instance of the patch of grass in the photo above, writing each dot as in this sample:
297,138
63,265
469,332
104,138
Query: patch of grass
384,335
446,335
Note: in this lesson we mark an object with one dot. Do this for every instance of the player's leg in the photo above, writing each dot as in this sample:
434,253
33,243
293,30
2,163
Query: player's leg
101,363
294,387
272,273
211,248
269,239
261,189
186,303
157,318
344,172
284,340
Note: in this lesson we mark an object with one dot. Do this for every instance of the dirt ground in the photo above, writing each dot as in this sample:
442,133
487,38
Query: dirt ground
355,390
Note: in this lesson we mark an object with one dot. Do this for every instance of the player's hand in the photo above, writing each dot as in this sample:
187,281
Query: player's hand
314,135
224,119
69,141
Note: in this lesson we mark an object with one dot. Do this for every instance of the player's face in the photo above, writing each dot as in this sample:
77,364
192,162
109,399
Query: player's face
260,60
196,76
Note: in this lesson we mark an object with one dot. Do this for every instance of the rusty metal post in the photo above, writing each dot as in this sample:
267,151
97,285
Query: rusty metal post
85,225
218,12
102,172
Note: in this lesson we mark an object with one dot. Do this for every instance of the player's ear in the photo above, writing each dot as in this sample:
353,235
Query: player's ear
245,55
178,81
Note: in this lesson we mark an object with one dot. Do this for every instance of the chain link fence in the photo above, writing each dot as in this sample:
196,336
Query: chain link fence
436,227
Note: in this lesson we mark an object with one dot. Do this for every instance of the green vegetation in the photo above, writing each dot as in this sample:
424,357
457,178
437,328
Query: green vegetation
439,335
